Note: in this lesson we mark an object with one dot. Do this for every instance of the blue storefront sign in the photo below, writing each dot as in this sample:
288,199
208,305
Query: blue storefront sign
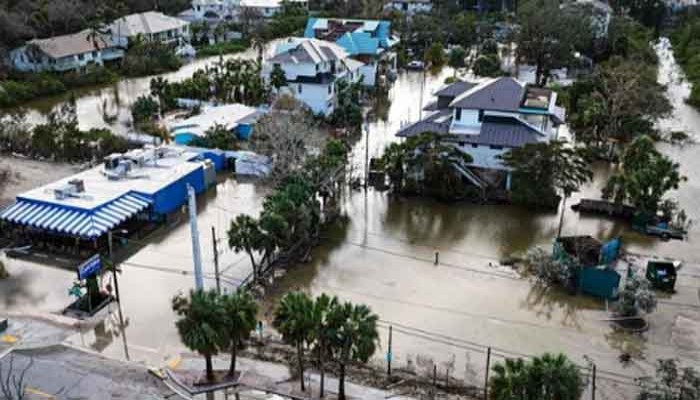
90,268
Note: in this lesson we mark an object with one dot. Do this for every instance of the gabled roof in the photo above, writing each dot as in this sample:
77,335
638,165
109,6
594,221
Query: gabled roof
145,23
76,43
305,50
455,89
499,94
438,122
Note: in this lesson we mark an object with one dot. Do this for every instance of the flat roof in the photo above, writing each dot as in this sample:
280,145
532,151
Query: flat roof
155,174
229,115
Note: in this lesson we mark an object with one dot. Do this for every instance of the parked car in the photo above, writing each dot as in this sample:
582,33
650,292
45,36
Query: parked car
416,65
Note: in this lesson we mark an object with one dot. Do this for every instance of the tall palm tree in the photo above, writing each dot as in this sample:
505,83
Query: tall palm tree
322,331
240,311
200,324
548,377
293,319
244,235
354,337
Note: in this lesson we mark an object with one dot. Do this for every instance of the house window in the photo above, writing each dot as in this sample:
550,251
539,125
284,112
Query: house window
462,144
299,89
494,147
481,115
81,57
316,67
330,89
458,114
474,145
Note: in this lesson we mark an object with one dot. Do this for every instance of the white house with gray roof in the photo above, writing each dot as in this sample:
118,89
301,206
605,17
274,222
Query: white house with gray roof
313,69
66,53
151,26
489,118
410,7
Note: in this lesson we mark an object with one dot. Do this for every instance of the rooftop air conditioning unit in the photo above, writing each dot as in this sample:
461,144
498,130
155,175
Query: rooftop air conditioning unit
78,184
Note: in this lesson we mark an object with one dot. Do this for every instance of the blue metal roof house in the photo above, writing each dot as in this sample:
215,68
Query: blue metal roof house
140,184
368,41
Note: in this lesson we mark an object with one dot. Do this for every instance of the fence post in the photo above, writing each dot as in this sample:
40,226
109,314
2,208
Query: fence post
486,379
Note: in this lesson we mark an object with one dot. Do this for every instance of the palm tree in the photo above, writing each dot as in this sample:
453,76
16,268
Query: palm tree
293,319
240,311
244,235
549,377
201,324
353,337
322,331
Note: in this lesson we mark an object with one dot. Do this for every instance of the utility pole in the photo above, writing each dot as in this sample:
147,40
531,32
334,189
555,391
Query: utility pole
216,260
196,251
389,354
486,379
114,266
593,385
366,153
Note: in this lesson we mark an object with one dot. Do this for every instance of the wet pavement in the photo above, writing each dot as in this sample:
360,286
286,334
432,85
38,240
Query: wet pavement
383,256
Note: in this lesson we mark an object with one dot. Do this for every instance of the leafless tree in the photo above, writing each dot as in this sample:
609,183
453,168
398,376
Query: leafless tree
288,137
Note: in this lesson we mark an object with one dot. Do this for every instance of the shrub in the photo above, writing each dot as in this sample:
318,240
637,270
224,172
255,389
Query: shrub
150,58
144,109
233,46
488,65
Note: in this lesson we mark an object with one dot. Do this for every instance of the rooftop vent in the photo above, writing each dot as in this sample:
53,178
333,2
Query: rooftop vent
73,189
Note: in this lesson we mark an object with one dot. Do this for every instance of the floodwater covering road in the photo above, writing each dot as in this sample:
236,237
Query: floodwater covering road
384,256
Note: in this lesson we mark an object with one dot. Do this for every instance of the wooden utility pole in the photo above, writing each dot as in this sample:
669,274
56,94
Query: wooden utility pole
216,260
593,384
486,379
114,266
389,354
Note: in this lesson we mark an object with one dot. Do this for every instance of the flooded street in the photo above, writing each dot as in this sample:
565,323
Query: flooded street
384,257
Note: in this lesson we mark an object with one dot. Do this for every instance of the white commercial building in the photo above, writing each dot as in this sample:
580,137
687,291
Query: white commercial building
312,70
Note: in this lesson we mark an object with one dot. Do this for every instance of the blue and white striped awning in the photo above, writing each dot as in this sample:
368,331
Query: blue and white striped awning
72,221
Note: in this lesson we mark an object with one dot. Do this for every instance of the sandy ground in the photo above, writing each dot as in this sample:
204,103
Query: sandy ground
27,174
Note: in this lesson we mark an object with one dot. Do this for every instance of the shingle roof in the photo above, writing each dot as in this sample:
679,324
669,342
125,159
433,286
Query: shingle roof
500,94
495,131
455,89
438,122
303,50
145,23
77,43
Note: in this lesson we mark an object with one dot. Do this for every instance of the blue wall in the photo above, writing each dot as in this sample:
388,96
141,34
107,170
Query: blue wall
183,138
173,196
243,131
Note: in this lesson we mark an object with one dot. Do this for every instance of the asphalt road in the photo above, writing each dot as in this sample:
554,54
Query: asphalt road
61,372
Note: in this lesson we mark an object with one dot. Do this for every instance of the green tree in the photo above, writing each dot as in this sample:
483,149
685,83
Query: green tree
347,112
435,55
144,109
294,320
456,58
240,311
487,65
644,177
672,382
278,78
244,234
216,137
354,337
322,332
549,377
201,324
549,36
542,172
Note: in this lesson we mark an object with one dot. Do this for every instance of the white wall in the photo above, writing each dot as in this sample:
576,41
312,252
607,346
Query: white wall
314,96
22,62
411,7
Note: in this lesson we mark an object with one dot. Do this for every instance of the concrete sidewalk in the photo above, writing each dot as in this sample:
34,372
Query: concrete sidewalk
276,379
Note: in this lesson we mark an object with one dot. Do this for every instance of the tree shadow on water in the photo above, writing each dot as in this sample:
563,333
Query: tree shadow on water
546,301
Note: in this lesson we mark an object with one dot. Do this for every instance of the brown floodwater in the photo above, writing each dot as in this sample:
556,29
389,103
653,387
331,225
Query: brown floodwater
383,256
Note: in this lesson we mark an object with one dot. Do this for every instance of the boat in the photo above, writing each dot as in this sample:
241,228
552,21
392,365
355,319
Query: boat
604,207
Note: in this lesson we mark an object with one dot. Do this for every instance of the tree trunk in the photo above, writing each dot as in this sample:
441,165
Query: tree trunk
341,382
300,360
255,269
234,353
320,367
561,218
210,368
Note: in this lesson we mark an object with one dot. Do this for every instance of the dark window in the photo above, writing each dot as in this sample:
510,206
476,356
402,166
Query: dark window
493,147
474,145
330,89
299,89
462,144
316,67
481,115
458,114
